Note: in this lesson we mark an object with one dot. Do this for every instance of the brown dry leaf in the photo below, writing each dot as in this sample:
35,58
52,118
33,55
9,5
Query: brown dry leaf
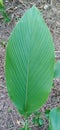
18,122
21,1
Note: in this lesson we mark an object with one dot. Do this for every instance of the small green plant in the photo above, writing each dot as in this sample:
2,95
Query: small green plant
3,43
3,12
1,2
37,119
47,111
30,64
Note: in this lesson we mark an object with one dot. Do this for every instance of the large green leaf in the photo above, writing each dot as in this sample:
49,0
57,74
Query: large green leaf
30,62
54,117
57,69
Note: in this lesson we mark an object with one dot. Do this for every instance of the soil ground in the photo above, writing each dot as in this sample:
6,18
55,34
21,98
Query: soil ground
9,117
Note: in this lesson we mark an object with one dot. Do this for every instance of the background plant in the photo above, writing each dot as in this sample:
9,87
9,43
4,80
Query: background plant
3,12
30,61
1,2
37,119
54,119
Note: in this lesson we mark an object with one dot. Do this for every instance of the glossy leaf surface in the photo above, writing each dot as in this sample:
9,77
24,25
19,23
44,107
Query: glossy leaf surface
29,62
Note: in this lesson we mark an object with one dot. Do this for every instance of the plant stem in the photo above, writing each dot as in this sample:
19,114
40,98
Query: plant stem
26,124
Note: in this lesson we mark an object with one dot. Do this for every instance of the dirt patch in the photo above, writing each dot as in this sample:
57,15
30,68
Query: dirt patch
9,117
